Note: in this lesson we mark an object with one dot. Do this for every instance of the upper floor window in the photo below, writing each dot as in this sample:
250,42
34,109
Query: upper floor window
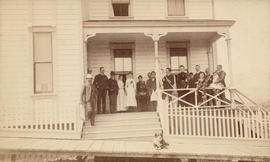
121,7
43,62
178,56
122,60
176,7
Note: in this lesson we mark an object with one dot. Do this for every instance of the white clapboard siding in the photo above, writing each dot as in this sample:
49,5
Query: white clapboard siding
198,50
16,18
14,69
149,9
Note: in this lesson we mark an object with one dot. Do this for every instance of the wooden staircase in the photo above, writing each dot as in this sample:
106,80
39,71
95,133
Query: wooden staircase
138,126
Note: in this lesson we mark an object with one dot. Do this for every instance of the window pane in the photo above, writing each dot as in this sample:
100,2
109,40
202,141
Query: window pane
174,62
176,7
127,64
183,60
118,64
42,47
43,77
120,9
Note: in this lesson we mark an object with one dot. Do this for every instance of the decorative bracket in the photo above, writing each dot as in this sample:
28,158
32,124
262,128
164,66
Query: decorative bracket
89,35
226,35
155,36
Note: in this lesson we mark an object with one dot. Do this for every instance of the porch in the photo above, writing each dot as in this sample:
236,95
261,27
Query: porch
184,149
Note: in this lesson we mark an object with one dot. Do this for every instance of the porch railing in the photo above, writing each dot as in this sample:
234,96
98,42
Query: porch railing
232,116
43,119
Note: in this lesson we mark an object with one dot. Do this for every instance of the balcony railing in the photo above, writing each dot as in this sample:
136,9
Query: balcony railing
204,113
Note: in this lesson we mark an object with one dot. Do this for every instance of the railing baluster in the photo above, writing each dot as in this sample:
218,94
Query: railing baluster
176,117
249,124
219,123
185,124
189,121
202,122
257,124
215,122
193,122
207,122
211,122
180,121
240,124
224,123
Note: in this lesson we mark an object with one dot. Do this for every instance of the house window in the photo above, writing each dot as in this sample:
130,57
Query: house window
178,56
122,60
43,62
120,7
176,7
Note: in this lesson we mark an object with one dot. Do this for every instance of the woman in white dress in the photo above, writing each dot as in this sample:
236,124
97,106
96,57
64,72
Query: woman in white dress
121,95
130,87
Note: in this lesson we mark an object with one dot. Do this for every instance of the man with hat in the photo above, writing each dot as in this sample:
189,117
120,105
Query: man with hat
88,99
113,92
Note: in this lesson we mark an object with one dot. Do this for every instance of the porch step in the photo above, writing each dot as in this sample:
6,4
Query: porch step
139,126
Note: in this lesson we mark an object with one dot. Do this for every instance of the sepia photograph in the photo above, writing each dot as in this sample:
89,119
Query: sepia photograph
134,80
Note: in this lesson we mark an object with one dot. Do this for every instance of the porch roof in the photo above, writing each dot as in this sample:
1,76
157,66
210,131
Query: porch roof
145,26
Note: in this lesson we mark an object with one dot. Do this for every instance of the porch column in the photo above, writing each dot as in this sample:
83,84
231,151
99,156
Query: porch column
228,43
85,44
155,37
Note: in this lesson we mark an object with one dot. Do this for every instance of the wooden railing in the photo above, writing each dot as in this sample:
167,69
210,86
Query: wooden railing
214,116
42,119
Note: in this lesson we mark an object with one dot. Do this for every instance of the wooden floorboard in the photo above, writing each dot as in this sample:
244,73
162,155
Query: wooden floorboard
190,148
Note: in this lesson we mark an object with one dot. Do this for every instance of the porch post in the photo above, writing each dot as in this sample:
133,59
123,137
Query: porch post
155,37
85,44
228,42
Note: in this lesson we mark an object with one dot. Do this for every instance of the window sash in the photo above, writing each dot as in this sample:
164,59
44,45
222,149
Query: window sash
176,7
42,62
178,56
122,60
120,9
43,77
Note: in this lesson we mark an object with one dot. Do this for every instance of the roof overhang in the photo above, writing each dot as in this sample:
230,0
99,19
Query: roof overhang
93,27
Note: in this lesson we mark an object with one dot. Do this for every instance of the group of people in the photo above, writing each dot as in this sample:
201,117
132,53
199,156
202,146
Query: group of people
127,95
204,82
124,94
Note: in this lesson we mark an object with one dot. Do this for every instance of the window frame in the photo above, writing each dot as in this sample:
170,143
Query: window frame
186,4
180,44
43,29
130,11
123,45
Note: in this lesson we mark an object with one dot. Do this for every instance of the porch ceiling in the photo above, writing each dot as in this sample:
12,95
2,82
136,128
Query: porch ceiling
171,36
142,26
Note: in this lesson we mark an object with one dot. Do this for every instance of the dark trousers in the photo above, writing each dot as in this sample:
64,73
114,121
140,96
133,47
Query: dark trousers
101,99
113,103
142,102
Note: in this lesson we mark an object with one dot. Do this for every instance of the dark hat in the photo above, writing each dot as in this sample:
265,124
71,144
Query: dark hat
112,73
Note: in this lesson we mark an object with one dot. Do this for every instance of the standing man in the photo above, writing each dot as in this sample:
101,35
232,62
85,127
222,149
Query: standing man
197,74
221,80
181,82
113,92
168,82
88,99
101,83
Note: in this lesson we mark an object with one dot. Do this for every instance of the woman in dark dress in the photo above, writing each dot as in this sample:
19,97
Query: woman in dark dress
141,94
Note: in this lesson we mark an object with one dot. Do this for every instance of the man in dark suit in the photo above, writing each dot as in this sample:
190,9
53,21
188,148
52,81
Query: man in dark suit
113,92
221,79
101,83
197,74
168,82
181,82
